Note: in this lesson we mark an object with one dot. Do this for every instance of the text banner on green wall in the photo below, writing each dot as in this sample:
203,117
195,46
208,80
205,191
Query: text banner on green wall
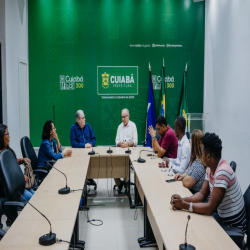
117,80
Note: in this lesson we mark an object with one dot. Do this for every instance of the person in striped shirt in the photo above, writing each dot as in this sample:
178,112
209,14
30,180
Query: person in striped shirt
226,197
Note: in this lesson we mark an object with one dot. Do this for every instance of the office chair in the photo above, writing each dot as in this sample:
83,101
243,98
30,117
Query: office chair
13,181
29,152
2,232
188,135
236,233
233,165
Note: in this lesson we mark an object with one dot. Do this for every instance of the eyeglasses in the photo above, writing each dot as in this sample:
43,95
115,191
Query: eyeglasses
7,134
83,118
123,117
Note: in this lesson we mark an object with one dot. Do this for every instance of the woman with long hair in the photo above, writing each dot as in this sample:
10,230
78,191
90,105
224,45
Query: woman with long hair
4,144
194,176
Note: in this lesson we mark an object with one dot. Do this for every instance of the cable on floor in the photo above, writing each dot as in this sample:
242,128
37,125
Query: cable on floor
90,221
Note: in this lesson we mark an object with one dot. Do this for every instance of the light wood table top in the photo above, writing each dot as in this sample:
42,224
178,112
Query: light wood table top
61,210
203,231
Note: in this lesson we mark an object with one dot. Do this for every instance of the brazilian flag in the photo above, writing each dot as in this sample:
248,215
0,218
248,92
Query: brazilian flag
184,104
162,106
151,117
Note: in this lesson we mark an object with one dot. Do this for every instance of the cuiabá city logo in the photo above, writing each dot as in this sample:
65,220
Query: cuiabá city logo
69,82
108,78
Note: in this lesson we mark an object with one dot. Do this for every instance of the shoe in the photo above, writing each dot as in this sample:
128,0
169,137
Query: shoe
120,187
91,182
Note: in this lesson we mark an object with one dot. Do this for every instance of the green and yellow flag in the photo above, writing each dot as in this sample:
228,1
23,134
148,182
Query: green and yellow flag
162,106
184,104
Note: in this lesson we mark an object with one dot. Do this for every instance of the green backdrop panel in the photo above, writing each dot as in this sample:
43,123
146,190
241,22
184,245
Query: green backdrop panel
74,45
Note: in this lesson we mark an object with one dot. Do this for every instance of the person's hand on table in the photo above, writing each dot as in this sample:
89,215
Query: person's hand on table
176,202
178,177
151,131
88,145
68,153
124,144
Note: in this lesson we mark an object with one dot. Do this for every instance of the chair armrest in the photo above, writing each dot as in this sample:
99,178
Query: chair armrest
2,233
17,204
51,161
42,170
233,231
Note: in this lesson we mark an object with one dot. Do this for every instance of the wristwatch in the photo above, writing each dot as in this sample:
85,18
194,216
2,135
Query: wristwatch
154,137
191,207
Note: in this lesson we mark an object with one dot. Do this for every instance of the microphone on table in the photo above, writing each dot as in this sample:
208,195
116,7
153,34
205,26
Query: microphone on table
140,160
66,189
91,152
128,151
46,239
186,246
109,151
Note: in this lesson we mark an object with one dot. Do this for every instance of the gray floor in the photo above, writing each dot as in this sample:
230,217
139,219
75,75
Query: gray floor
120,229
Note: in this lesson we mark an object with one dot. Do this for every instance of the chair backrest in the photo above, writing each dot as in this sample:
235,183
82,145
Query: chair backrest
188,135
29,152
11,176
247,208
233,165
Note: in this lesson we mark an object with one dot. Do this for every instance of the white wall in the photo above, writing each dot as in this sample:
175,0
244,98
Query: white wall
227,80
14,35
3,45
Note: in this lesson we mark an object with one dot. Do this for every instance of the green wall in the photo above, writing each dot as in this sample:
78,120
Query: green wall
72,38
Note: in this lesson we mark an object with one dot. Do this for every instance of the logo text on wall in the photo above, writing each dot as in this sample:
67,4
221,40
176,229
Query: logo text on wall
156,80
70,82
117,80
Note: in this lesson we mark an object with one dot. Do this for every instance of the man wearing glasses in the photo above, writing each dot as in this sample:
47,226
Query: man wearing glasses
126,136
81,134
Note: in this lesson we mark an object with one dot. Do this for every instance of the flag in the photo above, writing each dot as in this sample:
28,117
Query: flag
184,104
151,117
163,93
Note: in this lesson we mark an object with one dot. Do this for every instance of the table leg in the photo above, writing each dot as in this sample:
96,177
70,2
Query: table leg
137,202
75,242
149,239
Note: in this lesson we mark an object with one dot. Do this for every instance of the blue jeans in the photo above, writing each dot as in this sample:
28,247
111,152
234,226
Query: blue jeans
27,194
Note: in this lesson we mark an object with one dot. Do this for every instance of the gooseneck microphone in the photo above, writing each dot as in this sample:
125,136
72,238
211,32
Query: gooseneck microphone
140,160
186,246
66,189
91,152
109,151
46,239
128,151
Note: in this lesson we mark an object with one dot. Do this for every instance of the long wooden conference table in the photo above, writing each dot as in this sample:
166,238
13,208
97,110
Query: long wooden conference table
168,226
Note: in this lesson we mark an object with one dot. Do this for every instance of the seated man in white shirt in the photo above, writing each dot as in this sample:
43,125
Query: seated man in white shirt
180,164
126,136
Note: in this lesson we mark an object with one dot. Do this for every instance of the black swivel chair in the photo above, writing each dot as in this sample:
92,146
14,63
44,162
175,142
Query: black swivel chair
13,182
188,135
29,152
2,232
233,165
235,233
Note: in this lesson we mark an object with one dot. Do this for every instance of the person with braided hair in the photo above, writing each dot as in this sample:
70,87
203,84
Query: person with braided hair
226,202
